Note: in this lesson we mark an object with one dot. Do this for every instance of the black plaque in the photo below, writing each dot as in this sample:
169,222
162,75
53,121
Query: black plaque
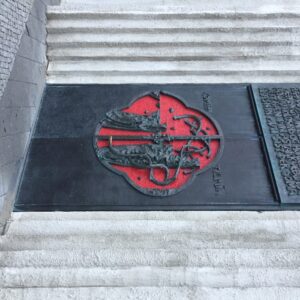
63,171
278,108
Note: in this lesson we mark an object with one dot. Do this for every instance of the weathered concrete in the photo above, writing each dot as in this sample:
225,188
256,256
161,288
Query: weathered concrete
22,94
198,43
149,293
180,254
187,5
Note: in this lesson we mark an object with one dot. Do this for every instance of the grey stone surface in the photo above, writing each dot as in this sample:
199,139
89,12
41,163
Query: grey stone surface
39,11
36,29
187,5
13,16
156,41
151,255
52,2
33,49
15,120
23,60
12,147
1,201
19,94
1,185
150,293
7,172
25,70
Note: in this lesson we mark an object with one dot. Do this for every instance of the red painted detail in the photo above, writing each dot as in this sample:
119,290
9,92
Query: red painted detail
169,107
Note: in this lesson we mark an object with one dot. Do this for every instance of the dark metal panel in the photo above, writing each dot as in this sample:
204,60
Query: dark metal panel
65,173
62,171
74,111
278,109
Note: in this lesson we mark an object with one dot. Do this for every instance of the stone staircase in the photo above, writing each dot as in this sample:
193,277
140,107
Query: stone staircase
151,255
165,42
161,255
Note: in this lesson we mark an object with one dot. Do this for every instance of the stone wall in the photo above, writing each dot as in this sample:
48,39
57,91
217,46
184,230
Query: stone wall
22,79
13,15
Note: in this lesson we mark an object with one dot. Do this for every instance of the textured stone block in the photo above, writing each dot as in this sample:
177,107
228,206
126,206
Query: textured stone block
1,185
39,10
20,94
36,29
12,148
8,172
14,120
1,202
32,49
27,71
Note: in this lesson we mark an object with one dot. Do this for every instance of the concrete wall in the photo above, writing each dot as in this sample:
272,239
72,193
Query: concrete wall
22,84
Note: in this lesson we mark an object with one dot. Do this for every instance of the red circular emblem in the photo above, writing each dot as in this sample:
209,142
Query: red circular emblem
158,143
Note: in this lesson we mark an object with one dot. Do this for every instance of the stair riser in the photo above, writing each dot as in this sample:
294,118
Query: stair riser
62,13
172,241
163,293
204,37
195,67
183,76
202,22
200,216
230,53
149,276
217,258
176,44
264,227
258,77
161,58
170,30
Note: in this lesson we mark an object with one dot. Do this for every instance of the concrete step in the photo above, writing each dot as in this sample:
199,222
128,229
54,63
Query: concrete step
186,6
217,45
171,30
149,276
151,241
143,293
85,227
169,23
125,258
153,231
60,16
221,77
184,44
223,253
173,71
174,67
292,36
175,53
20,217
74,11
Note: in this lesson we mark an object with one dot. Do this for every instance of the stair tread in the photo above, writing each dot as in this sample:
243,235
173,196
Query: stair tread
156,215
158,293
173,66
56,38
89,258
266,10
257,77
149,276
152,226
